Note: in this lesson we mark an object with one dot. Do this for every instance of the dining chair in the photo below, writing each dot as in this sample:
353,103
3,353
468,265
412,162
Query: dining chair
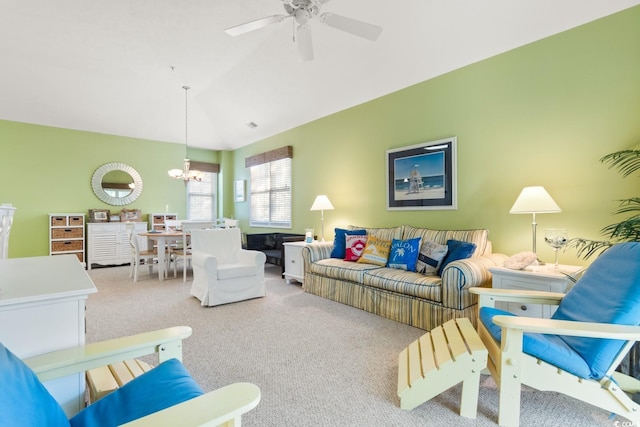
578,350
149,256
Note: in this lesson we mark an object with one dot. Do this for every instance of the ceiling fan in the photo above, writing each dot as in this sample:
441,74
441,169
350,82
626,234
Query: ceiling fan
303,11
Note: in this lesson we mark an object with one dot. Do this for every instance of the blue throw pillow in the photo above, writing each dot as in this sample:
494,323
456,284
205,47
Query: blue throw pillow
24,401
457,250
165,385
404,254
339,241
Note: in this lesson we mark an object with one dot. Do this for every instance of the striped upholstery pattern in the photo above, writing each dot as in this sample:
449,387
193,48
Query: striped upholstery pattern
479,237
461,275
417,300
405,282
382,233
340,269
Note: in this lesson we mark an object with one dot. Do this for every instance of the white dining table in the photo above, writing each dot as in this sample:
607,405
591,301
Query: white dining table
162,239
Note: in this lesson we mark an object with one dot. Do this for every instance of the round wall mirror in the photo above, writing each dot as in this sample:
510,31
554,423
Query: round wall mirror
116,183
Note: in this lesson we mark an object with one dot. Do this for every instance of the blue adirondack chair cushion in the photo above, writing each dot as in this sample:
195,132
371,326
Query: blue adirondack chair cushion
165,385
550,348
608,292
24,401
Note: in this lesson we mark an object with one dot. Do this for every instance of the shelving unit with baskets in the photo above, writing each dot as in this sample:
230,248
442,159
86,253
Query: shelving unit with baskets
156,220
67,235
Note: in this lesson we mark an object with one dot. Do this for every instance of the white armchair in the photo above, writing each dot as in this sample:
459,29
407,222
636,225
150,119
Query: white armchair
223,272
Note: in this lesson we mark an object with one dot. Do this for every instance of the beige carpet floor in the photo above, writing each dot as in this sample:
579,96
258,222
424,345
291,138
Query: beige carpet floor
317,362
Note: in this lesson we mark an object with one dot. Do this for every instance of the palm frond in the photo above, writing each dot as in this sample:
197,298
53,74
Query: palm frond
626,161
586,248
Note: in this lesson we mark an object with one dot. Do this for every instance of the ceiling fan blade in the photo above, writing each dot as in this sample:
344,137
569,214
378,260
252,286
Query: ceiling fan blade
352,26
304,42
255,25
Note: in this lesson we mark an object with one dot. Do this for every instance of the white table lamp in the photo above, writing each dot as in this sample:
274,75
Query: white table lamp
533,200
322,203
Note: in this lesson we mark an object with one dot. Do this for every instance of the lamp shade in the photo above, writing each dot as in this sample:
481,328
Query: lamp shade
321,203
534,200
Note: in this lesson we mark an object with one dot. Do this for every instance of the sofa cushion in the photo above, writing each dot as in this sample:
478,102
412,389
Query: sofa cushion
334,268
376,251
457,250
430,257
405,282
404,253
382,233
477,236
339,241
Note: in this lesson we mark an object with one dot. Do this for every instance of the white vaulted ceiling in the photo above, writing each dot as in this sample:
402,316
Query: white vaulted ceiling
117,66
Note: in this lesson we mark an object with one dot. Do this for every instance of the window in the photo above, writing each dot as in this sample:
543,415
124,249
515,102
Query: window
201,197
271,194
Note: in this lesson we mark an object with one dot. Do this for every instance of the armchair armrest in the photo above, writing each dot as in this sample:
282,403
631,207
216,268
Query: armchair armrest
317,251
489,296
212,409
569,327
460,276
60,363
251,257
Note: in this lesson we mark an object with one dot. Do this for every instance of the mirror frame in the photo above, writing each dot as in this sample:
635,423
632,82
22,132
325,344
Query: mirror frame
96,183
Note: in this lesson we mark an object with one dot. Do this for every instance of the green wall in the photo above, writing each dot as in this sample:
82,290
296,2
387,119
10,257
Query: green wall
542,114
45,169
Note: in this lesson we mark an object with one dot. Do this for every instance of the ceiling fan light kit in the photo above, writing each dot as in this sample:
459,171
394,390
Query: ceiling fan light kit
303,11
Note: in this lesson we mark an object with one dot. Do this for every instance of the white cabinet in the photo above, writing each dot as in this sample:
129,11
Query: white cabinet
293,263
536,278
42,305
108,243
66,234
156,220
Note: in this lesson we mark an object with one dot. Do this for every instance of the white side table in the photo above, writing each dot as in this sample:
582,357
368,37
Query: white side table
293,263
536,278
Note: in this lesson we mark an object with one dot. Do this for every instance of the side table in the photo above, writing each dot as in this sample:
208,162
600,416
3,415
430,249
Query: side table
293,263
537,278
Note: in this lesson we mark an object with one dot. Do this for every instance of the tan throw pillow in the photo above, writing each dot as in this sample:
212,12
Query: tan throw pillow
376,251
430,258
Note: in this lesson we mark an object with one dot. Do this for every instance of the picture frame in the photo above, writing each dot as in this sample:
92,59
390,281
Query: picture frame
239,190
131,215
99,215
422,176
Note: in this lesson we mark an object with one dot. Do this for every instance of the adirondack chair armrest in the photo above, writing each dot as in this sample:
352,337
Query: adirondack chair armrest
218,407
489,296
166,342
572,328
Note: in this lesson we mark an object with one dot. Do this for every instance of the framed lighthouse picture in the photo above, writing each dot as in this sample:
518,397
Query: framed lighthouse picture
422,176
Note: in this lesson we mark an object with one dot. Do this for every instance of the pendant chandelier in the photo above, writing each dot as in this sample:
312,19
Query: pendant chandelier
185,174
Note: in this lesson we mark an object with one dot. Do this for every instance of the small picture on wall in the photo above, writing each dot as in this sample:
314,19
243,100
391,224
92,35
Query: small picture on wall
238,190
422,176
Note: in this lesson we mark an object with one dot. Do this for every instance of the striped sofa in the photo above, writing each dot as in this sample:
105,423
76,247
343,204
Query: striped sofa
408,297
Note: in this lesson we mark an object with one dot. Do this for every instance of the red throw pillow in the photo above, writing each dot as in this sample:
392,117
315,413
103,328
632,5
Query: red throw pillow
354,247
